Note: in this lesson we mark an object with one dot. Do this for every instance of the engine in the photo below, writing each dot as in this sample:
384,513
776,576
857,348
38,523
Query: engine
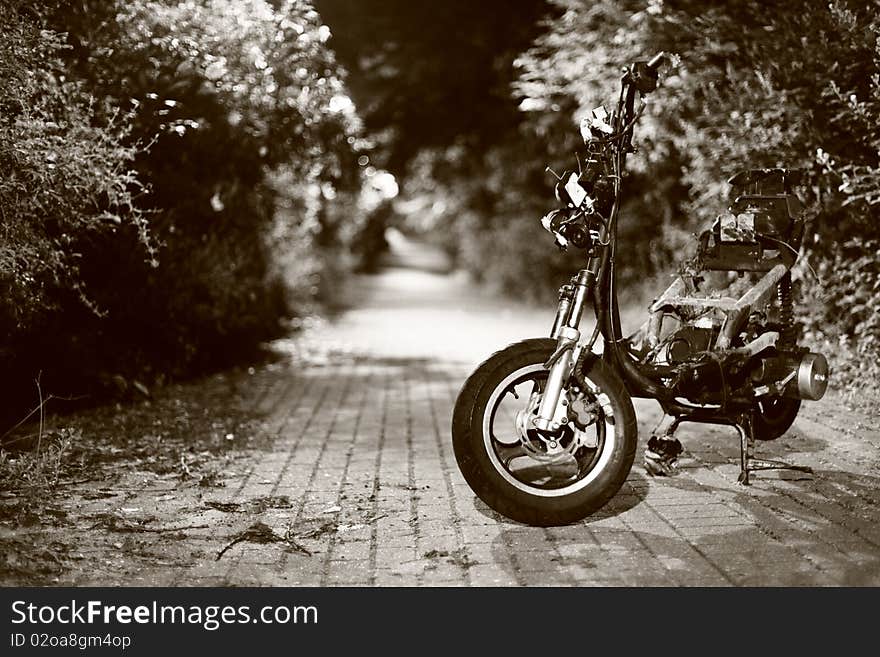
763,363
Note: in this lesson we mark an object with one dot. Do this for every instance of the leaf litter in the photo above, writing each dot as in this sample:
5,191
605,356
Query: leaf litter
260,532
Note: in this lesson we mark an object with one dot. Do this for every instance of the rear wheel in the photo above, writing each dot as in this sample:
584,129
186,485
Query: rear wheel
774,417
542,478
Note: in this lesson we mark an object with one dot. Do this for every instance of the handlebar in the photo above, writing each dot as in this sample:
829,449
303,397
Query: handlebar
639,76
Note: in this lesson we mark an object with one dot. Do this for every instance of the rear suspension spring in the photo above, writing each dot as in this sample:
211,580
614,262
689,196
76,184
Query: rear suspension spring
788,334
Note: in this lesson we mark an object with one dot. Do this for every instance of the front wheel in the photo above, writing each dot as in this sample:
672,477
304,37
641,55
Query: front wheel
534,477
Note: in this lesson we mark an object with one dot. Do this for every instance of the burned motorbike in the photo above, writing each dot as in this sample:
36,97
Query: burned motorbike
544,431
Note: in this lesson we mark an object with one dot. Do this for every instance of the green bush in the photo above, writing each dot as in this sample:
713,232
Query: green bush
65,182
239,95
67,188
172,173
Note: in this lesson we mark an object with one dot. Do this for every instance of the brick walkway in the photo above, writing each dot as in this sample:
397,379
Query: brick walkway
363,452
361,474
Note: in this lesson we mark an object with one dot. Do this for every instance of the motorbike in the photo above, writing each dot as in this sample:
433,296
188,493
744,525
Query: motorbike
544,431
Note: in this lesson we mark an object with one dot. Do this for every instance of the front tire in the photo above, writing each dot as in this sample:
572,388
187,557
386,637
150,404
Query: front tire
508,464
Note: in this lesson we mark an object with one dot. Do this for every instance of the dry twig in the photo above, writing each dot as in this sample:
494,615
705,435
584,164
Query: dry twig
260,532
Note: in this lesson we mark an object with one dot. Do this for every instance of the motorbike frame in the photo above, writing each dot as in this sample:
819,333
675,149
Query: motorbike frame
595,285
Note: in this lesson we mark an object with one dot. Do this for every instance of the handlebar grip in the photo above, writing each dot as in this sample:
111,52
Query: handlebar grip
656,60
644,74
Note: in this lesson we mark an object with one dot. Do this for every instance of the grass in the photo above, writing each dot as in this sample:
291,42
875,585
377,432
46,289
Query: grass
31,477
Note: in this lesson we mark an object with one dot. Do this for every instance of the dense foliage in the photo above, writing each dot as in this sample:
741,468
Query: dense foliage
65,180
429,75
173,174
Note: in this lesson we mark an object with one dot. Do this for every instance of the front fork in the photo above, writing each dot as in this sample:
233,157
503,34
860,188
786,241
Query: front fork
572,299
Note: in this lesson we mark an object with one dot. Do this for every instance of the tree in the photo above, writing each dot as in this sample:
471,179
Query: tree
428,75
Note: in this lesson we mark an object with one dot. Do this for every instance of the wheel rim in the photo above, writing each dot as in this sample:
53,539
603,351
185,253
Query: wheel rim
519,460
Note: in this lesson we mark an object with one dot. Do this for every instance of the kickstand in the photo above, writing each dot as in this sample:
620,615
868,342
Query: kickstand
747,446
